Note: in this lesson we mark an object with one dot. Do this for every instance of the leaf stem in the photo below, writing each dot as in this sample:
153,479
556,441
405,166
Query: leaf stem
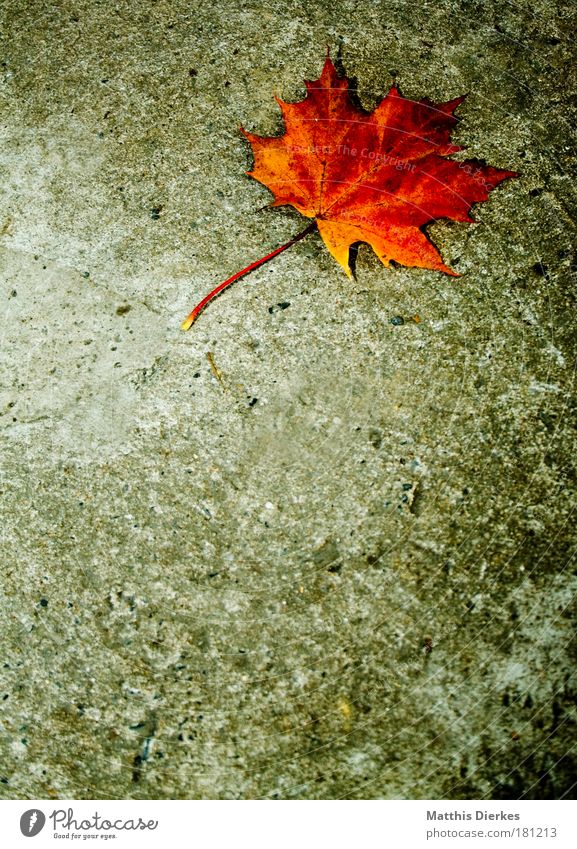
187,323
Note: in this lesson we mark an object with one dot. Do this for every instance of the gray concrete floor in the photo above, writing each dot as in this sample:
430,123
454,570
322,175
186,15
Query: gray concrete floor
345,567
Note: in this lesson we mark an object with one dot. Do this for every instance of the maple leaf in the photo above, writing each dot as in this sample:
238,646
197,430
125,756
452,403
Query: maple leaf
378,177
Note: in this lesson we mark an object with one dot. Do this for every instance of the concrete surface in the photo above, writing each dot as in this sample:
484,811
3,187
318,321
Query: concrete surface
337,559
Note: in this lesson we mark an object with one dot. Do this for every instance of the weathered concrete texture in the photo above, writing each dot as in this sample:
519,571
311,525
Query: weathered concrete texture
345,567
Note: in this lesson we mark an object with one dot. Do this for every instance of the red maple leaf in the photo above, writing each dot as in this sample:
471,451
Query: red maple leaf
378,177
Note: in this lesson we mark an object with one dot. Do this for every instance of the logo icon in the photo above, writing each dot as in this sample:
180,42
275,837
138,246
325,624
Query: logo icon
32,822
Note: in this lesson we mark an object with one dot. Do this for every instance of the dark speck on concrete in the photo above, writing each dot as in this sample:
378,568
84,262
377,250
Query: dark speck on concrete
282,305
397,320
541,269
